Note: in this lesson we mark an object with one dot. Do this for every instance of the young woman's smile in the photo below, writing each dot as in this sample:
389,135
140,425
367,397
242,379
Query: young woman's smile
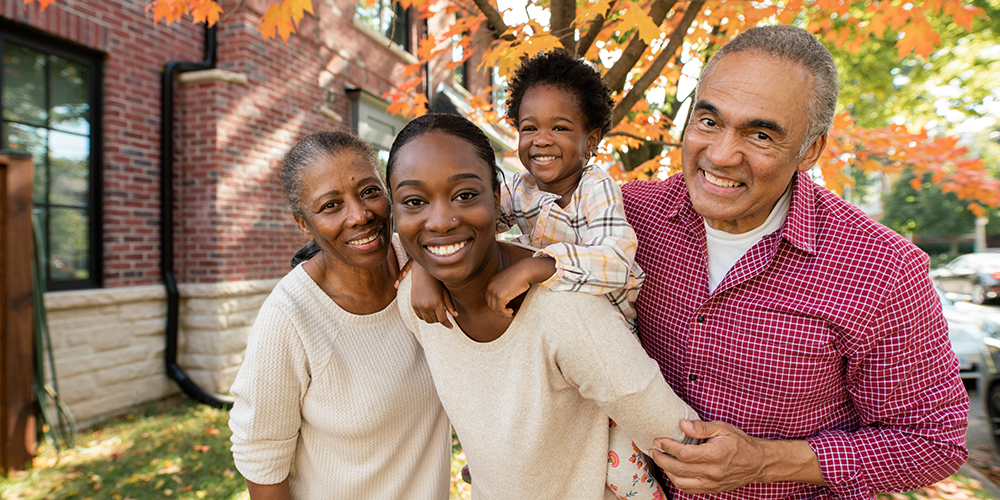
445,206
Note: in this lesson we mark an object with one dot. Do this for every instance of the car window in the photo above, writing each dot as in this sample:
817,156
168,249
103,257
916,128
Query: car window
958,263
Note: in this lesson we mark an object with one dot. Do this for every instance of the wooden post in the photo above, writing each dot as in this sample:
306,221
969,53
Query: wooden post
17,399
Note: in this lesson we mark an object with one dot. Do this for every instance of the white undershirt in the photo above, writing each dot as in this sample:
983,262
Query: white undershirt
725,249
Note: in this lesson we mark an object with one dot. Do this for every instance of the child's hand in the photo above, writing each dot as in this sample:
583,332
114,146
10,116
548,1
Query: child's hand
515,280
429,299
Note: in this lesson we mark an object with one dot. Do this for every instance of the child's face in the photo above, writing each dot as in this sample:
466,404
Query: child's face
553,139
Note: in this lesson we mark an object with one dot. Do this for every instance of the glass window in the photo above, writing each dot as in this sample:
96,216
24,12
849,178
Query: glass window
46,97
387,18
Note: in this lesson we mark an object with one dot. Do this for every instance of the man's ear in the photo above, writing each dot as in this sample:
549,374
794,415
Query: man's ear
813,153
302,226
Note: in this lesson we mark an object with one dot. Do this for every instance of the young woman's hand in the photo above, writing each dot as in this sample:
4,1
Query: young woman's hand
515,280
429,299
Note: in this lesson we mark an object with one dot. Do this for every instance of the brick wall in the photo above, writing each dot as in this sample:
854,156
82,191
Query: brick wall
135,51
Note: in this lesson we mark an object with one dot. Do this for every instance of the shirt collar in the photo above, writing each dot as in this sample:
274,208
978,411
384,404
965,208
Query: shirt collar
799,229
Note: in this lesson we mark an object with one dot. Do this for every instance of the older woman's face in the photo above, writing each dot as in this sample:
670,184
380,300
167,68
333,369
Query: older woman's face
346,210
445,206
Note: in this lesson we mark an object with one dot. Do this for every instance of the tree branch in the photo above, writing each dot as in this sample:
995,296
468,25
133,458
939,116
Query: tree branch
666,53
494,19
593,31
643,139
562,13
615,77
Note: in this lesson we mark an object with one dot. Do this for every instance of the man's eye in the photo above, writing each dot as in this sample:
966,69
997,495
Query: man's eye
708,122
761,136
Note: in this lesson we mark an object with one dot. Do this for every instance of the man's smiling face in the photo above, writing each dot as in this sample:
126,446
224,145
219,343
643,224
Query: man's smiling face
741,147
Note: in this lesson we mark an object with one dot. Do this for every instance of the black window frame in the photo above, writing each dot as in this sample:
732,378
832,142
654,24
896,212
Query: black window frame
400,23
42,42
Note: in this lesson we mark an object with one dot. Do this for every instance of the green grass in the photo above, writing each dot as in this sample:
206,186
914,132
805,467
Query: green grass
181,450
178,451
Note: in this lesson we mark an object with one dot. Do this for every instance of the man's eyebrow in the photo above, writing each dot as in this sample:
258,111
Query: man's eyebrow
706,106
766,125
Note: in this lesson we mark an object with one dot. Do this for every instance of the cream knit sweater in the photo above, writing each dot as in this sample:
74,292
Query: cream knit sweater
531,408
341,404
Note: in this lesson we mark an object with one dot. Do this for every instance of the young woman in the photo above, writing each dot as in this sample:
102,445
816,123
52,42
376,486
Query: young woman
528,395
334,398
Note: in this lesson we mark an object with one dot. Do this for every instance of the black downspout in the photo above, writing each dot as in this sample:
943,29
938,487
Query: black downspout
174,371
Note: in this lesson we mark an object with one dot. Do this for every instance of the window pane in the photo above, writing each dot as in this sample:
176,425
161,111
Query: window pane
31,140
369,15
69,244
23,84
69,169
70,96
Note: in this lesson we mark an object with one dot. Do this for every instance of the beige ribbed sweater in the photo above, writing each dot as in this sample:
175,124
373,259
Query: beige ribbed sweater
531,408
342,403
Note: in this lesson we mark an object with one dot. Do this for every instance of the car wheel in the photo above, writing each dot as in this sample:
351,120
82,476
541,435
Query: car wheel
978,294
993,412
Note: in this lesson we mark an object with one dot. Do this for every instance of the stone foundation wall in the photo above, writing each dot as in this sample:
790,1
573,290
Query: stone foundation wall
108,344
214,324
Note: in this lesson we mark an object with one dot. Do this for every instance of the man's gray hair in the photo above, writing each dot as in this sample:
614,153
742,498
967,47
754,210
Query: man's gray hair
797,45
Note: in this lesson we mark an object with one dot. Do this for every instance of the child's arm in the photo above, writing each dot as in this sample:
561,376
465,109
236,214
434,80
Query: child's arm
429,299
515,280
605,256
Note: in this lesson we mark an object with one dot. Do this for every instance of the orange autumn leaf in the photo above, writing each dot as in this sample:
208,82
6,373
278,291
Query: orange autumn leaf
205,11
42,3
283,17
918,37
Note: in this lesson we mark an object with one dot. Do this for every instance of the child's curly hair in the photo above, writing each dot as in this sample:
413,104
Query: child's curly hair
564,71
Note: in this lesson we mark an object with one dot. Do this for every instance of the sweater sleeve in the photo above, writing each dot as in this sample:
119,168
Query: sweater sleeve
609,366
268,391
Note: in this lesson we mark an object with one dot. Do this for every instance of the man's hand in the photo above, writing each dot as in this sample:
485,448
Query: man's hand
515,280
730,459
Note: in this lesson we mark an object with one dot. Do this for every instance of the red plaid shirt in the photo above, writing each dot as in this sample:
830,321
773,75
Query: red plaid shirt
827,330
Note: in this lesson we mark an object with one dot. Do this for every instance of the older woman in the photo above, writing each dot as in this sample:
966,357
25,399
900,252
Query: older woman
334,398
529,395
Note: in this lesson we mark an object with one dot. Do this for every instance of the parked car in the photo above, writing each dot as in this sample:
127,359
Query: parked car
975,276
969,332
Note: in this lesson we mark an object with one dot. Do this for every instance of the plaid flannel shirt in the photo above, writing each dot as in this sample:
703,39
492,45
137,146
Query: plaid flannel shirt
590,240
827,330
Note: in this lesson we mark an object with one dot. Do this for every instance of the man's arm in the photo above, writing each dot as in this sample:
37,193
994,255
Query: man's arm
730,459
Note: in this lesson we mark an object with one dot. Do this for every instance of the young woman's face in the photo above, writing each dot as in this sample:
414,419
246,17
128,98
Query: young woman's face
346,210
445,206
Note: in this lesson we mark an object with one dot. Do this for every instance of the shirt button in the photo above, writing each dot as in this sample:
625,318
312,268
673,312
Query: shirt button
701,319
693,377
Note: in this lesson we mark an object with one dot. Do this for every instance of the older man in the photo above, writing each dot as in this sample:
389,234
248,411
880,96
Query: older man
807,336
